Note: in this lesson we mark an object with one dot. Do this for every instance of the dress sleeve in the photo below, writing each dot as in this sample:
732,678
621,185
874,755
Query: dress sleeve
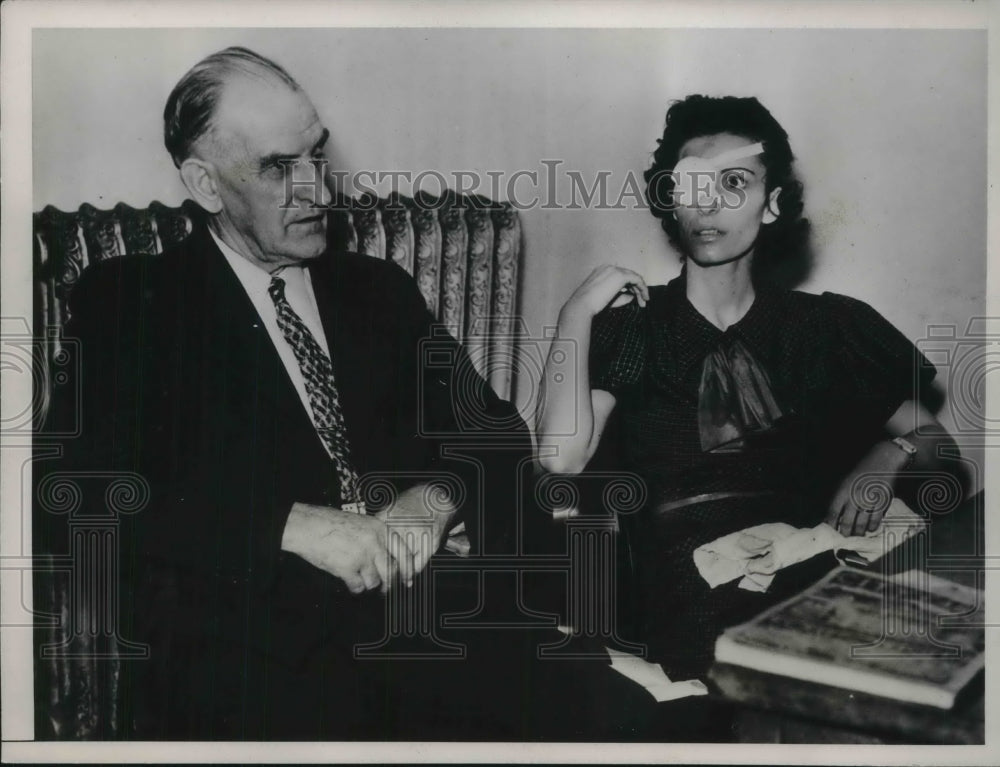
617,349
882,366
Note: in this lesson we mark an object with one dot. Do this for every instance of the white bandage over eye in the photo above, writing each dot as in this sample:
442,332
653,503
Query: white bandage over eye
697,180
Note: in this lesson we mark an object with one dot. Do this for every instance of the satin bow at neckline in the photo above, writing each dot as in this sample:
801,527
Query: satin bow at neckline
735,397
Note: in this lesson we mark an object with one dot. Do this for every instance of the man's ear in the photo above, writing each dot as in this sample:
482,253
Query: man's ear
771,211
199,178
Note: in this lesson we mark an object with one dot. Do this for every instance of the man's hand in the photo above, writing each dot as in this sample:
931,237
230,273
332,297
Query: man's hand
417,522
864,496
352,547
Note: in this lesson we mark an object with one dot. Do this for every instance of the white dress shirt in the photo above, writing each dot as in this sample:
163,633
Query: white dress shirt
298,291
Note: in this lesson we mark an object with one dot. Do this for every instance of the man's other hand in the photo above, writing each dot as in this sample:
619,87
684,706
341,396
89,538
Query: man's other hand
417,522
352,547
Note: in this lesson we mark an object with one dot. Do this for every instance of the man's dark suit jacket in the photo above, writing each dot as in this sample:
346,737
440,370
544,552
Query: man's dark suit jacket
181,383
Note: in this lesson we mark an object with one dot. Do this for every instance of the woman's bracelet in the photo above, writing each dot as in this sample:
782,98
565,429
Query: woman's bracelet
907,447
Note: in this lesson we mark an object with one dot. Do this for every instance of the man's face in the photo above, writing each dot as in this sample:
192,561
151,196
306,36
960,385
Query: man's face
260,132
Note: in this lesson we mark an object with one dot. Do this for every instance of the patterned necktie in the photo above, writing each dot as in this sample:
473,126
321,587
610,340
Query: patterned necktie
317,370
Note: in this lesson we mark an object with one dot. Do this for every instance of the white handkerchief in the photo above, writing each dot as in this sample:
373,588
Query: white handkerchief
757,553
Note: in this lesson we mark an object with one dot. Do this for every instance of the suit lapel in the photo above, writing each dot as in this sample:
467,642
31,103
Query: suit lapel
348,331
244,348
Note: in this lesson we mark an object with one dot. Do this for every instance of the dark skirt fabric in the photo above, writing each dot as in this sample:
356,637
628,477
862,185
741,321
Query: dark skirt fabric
680,614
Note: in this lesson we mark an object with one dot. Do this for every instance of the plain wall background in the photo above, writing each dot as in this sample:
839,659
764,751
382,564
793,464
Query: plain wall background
889,128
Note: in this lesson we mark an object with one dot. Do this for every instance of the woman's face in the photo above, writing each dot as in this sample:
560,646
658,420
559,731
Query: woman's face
722,223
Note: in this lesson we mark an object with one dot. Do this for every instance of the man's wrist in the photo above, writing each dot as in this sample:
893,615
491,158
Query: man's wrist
442,504
293,524
296,537
429,501
444,508
442,498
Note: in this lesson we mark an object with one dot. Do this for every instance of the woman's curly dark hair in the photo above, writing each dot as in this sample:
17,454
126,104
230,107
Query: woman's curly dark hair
781,253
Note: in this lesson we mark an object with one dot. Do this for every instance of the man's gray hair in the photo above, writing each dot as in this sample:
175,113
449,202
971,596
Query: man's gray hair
193,101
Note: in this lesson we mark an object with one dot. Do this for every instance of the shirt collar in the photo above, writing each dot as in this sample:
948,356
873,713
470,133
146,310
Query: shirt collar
253,276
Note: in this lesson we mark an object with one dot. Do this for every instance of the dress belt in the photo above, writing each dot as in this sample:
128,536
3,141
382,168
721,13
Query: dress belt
663,508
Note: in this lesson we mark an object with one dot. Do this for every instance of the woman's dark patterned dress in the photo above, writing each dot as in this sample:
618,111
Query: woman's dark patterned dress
837,371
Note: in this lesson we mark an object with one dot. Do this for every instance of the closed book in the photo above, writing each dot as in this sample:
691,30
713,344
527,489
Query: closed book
909,636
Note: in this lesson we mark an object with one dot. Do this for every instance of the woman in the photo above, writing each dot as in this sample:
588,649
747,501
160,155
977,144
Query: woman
737,402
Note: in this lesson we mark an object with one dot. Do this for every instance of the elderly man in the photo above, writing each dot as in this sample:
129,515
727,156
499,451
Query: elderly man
253,381
235,125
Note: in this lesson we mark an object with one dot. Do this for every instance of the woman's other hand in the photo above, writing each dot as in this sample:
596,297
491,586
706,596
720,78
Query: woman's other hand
606,285
864,496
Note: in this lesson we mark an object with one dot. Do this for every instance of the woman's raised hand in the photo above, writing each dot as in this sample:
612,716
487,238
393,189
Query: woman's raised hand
606,285
571,416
